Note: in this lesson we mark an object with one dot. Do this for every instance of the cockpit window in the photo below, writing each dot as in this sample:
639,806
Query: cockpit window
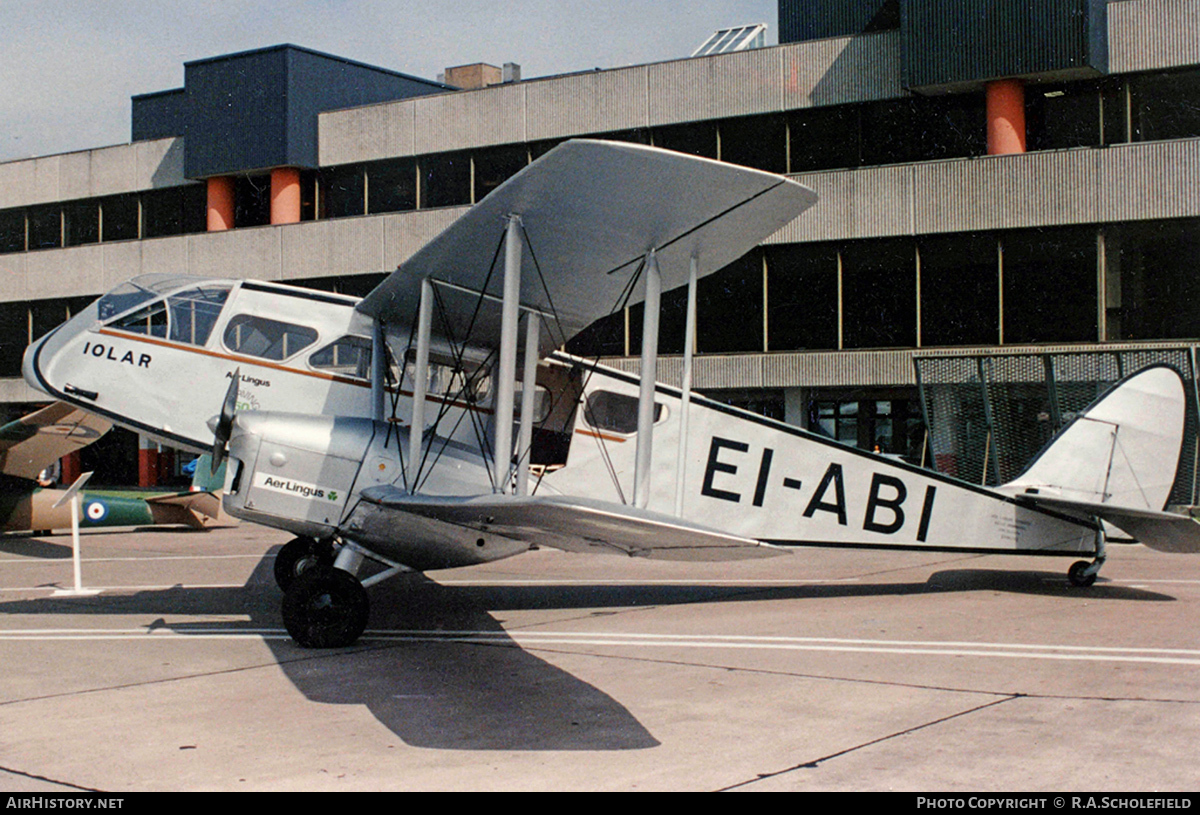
615,412
139,290
151,321
187,316
267,339
349,356
194,312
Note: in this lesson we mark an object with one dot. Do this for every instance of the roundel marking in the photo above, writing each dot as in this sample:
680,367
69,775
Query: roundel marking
96,511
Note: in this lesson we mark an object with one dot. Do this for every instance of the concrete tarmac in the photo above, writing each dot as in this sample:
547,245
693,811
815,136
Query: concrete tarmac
821,670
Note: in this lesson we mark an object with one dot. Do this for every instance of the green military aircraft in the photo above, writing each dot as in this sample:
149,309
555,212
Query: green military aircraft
34,442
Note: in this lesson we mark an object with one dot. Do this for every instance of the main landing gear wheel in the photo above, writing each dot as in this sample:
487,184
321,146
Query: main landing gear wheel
1081,574
325,608
298,556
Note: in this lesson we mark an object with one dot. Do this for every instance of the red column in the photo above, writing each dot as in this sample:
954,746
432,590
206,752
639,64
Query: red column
285,195
220,203
1005,116
147,462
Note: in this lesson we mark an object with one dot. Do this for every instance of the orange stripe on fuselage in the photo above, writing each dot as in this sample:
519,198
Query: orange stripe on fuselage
275,366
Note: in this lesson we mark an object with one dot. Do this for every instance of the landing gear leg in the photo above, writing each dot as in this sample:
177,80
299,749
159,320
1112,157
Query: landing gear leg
1082,573
325,606
298,556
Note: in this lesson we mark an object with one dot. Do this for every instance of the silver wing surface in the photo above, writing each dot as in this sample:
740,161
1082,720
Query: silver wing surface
576,525
34,442
590,211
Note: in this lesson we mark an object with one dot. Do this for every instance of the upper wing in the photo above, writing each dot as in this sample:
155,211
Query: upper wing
34,442
577,525
590,211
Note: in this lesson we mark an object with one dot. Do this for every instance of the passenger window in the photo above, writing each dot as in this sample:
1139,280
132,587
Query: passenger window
151,321
194,312
615,412
447,381
349,356
267,339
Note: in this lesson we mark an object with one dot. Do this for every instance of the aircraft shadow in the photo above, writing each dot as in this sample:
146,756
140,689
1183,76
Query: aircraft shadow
487,693
27,544
477,695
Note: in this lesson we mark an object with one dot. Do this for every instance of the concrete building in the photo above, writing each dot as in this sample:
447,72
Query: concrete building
990,178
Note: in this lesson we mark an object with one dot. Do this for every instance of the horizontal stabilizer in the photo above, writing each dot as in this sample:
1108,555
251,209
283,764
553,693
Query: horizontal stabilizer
1163,531
34,442
576,525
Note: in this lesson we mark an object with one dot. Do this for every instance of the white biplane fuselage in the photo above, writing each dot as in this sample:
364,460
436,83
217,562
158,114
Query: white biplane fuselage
322,392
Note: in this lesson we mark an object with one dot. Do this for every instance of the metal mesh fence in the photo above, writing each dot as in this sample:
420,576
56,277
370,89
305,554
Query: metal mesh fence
988,416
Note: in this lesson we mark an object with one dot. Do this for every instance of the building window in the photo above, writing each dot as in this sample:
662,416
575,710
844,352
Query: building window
81,223
174,211
119,218
879,294
729,308
1163,106
698,139
445,180
1153,283
802,297
45,227
755,141
14,336
12,230
341,192
824,138
1050,285
1060,116
252,200
495,166
888,423
960,294
391,186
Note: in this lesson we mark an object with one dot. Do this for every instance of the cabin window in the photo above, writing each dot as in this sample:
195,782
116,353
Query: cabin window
349,356
615,412
542,403
453,383
151,321
267,339
194,312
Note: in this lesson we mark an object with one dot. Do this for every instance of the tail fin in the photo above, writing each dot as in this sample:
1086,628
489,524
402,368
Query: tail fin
1118,459
203,478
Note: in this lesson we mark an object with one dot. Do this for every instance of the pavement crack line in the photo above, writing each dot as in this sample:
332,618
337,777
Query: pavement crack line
809,765
36,777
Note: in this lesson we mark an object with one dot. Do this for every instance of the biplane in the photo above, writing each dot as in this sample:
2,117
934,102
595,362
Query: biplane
437,422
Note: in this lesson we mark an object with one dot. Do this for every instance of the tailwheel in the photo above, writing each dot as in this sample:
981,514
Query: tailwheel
1082,573
298,556
325,608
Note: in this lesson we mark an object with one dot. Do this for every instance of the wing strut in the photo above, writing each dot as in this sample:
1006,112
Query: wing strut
416,431
649,374
507,370
378,370
689,343
528,392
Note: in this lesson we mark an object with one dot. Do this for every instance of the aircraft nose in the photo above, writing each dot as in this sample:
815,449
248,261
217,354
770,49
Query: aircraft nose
29,368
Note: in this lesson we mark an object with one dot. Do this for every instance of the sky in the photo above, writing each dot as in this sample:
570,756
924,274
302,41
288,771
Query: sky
69,67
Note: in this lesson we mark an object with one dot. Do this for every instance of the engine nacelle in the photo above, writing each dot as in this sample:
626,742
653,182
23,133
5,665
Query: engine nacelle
295,471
